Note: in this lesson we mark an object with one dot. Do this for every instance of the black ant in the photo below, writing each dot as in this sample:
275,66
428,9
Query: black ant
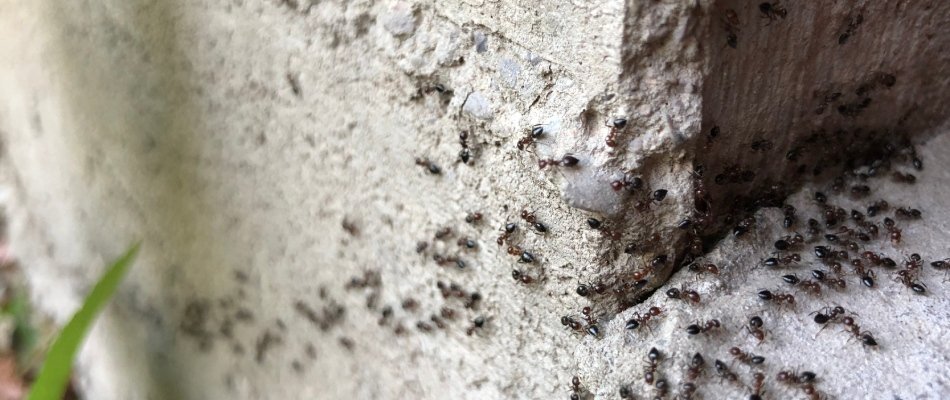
701,268
662,386
855,330
724,373
827,314
826,99
522,277
467,243
509,228
683,294
473,217
536,132
904,177
803,380
624,392
429,165
696,328
531,219
585,290
567,160
780,298
894,233
577,390
772,11
761,145
638,319
524,256
783,260
758,380
755,328
795,378
908,278
696,366
465,155
853,23
653,358
572,323
867,275
908,213
631,183
616,126
788,242
746,358
822,276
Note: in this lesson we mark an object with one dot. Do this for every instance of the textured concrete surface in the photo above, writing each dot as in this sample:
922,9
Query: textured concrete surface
266,153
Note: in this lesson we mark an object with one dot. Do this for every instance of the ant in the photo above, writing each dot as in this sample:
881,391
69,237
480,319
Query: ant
466,153
827,98
522,277
662,386
576,389
788,242
810,286
531,219
709,326
638,319
585,289
803,381
904,178
592,327
653,358
616,126
780,298
755,328
724,373
631,183
509,228
822,277
624,392
761,145
568,160
683,294
688,389
473,217
746,358
826,315
701,268
867,275
696,366
876,207
908,213
855,330
908,278
783,260
743,226
572,323
853,23
604,229
758,380
894,233
524,256
467,243
795,378
429,165
536,132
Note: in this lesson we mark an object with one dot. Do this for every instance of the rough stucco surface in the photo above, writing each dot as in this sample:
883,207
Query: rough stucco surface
264,152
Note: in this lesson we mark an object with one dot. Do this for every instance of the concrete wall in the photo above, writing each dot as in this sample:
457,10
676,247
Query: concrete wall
265,152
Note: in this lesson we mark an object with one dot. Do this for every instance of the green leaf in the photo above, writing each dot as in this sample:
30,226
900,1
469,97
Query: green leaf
54,375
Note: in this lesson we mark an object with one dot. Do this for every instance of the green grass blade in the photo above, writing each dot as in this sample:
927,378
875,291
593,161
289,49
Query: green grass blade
54,375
